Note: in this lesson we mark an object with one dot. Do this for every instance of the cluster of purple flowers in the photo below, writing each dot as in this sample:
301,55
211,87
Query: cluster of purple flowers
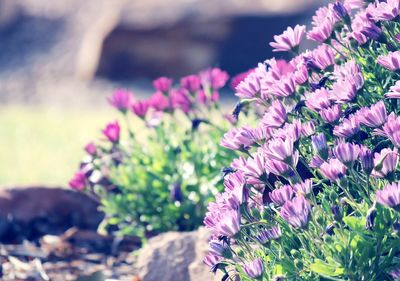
330,121
193,93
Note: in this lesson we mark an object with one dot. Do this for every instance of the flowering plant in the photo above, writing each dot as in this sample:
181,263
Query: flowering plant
315,194
163,171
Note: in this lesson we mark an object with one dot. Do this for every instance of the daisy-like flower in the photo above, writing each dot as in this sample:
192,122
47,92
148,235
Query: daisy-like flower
390,61
162,84
112,131
333,169
347,153
385,11
373,117
318,100
266,235
348,128
296,212
275,116
250,87
389,196
385,163
254,269
289,39
394,91
121,99
281,195
331,114
304,187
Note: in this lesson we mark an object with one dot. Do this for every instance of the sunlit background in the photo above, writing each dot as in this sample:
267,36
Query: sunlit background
60,59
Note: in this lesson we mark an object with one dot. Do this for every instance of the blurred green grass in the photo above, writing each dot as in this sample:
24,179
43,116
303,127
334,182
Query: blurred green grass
43,145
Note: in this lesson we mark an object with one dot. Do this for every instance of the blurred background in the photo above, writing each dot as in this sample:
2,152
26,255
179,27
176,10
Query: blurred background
60,59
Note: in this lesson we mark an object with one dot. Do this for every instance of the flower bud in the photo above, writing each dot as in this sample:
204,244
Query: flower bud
337,214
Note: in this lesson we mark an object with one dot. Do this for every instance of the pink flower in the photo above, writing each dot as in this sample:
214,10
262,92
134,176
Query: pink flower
296,212
373,117
385,163
280,149
281,195
254,169
140,108
214,78
343,91
323,31
229,224
390,61
112,132
358,24
318,100
389,196
285,87
346,152
391,129
162,84
275,115
323,57
331,114
250,87
121,99
235,81
348,128
91,148
289,40
303,187
78,181
333,169
179,99
385,11
159,101
191,83
394,91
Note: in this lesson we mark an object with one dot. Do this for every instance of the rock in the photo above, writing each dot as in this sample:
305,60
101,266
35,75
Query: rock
175,256
31,212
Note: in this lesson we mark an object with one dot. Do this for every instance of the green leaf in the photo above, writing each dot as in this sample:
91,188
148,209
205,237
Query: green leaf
322,268
355,223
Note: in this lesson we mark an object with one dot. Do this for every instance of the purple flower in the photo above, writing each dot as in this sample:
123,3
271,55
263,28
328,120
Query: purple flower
320,145
255,169
389,196
394,91
112,132
218,248
140,108
289,40
159,101
346,152
91,148
333,169
278,167
162,84
323,57
296,212
121,99
284,87
191,83
391,129
343,91
316,162
254,269
250,87
348,128
179,99
266,235
212,261
385,11
275,116
373,117
280,149
236,191
366,159
304,187
358,24
390,61
322,32
340,10
318,100
350,73
214,78
78,181
331,114
229,224
231,141
281,195
385,163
